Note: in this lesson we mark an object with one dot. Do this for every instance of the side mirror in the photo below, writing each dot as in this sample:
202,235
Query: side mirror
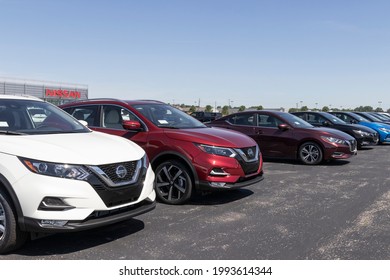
354,121
283,126
326,123
132,125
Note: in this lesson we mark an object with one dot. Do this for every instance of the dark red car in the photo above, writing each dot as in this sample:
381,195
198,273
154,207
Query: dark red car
283,135
185,154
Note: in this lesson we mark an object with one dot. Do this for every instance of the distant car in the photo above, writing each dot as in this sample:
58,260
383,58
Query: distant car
59,176
372,117
363,135
206,116
382,129
283,135
186,154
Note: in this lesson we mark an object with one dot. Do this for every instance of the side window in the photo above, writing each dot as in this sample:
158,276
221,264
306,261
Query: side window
345,118
315,119
127,115
88,114
267,121
112,117
242,119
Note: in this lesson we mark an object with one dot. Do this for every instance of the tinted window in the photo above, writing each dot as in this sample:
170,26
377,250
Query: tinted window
88,114
264,120
242,119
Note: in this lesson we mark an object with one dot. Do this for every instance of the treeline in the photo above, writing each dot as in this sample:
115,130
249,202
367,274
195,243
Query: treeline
327,109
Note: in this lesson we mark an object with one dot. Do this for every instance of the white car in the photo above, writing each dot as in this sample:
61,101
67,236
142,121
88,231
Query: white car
59,176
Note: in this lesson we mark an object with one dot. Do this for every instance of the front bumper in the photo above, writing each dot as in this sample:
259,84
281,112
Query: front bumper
94,220
213,186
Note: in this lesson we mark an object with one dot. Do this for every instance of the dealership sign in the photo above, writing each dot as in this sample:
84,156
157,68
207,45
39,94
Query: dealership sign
63,93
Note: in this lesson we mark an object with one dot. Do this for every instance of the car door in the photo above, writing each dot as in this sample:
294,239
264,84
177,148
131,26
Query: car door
274,142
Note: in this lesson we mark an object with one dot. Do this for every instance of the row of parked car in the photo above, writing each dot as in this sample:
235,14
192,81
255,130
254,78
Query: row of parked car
66,170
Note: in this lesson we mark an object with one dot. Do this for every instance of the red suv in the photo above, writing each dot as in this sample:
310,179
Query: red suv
185,154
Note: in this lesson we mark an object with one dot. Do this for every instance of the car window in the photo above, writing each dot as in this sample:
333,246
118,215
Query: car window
112,117
88,114
315,119
264,120
242,119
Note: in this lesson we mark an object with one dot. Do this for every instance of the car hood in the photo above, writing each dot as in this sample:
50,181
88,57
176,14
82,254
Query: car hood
375,124
212,136
93,148
334,133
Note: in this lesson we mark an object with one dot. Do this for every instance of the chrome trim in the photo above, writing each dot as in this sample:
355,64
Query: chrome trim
102,175
245,158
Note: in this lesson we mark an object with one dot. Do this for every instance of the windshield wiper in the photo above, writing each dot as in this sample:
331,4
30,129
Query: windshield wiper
10,132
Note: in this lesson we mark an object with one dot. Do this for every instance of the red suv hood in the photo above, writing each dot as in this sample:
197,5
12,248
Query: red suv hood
212,136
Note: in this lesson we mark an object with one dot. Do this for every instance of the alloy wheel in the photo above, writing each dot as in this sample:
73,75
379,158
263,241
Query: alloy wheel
3,222
173,183
310,153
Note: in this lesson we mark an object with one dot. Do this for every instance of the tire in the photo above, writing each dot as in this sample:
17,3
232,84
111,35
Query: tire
11,237
173,182
310,153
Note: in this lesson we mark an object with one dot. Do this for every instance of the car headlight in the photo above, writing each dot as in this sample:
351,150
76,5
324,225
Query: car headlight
361,133
145,161
384,129
60,170
218,151
333,140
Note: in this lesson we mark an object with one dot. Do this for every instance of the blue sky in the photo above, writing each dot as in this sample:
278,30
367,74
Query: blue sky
272,53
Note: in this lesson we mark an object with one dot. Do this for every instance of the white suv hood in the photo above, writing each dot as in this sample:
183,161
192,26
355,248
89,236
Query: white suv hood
93,148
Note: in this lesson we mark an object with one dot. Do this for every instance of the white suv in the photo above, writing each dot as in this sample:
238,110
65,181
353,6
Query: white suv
56,175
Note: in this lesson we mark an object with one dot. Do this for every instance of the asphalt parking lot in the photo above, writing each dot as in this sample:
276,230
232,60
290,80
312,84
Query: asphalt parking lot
338,210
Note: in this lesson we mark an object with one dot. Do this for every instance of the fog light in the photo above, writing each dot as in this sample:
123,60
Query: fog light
218,184
218,172
49,203
338,154
53,223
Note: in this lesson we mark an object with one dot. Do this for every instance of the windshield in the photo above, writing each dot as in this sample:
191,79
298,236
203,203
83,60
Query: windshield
18,117
372,117
295,121
163,115
358,117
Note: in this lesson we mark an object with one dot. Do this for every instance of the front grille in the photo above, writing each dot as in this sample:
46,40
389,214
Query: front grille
111,171
248,158
118,183
118,174
249,154
113,196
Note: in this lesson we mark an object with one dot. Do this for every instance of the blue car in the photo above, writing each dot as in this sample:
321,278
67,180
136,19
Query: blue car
382,128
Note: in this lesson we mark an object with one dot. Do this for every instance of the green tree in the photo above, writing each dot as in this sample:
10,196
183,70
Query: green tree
192,109
378,109
325,109
293,110
304,108
225,110
242,108
259,107
208,108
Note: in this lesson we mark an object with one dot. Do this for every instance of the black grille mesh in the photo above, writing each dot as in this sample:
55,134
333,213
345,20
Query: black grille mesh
110,170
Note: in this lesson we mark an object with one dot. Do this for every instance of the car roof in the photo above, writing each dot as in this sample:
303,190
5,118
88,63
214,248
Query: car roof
114,100
19,97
